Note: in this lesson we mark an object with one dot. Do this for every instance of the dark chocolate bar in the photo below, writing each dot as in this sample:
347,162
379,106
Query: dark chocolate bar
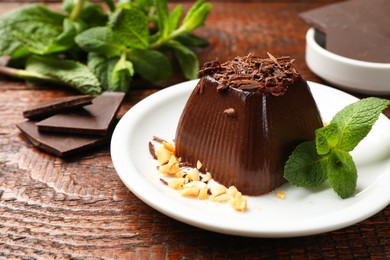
357,29
57,105
92,119
60,144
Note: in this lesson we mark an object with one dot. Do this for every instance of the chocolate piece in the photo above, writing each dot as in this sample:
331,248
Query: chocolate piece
270,118
357,29
92,119
54,106
60,144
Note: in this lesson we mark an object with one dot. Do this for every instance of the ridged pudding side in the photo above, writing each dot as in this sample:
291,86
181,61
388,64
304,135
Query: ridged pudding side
246,148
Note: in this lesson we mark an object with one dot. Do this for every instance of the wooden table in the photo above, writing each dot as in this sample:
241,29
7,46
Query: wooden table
79,208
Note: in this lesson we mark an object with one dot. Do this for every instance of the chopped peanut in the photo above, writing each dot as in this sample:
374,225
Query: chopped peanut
164,153
169,146
172,167
190,192
191,183
198,165
232,191
203,193
281,194
207,177
176,183
219,198
193,175
238,202
179,174
217,189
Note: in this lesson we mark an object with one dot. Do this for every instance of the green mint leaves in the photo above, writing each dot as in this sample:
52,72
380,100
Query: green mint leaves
130,38
327,157
71,73
130,28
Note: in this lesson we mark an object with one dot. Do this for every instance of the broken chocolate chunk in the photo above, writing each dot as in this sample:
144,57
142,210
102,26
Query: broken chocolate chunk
92,119
60,144
57,105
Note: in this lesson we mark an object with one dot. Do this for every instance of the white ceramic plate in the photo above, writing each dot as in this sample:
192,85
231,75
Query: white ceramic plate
302,212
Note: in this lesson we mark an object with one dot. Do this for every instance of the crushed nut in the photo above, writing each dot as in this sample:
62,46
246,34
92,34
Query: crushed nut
197,184
176,184
190,182
232,190
198,165
164,153
230,112
217,189
281,195
172,167
238,202
206,177
219,198
203,193
193,175
179,174
190,192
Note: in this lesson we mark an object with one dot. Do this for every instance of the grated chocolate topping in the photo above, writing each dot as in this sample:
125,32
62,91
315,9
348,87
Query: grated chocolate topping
251,73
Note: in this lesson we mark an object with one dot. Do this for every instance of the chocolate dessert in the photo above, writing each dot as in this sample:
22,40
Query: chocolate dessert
243,120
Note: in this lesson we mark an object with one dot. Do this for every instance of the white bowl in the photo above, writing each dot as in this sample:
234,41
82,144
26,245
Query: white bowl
349,74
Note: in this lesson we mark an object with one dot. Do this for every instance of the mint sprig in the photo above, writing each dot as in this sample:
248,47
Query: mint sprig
327,157
128,38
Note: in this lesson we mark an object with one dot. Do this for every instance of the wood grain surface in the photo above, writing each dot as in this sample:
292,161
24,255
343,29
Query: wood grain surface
78,208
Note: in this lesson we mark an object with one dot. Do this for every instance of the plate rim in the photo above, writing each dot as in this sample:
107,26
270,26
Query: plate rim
311,226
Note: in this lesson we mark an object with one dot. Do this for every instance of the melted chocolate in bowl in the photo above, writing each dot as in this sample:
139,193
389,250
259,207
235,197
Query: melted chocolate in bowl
244,136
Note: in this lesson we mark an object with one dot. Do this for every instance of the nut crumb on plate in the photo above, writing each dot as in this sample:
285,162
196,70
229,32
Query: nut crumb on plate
281,194
190,182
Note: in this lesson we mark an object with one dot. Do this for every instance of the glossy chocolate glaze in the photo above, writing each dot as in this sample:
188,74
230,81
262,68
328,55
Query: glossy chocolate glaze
244,137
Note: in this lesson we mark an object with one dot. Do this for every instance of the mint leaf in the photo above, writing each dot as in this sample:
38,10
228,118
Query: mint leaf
68,72
305,168
130,28
326,138
187,59
150,64
121,75
356,120
102,67
91,14
31,28
135,30
332,146
196,16
100,40
174,17
162,17
342,173
65,40
144,5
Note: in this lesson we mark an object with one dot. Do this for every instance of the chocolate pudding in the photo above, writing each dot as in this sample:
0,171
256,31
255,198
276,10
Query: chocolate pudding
243,120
